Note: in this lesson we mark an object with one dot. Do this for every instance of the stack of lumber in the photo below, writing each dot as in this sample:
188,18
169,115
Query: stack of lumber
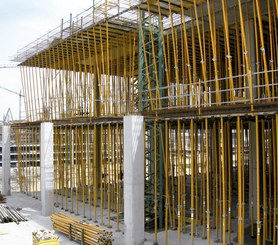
81,231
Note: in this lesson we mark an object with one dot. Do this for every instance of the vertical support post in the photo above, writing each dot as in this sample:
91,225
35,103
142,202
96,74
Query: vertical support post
251,47
252,176
250,44
47,166
6,160
134,179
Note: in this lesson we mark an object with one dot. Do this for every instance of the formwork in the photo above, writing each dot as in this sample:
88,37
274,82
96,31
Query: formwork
204,76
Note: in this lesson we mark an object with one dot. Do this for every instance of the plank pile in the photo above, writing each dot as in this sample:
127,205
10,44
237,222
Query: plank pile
8,214
80,231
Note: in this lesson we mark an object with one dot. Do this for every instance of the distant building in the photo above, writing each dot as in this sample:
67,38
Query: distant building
25,155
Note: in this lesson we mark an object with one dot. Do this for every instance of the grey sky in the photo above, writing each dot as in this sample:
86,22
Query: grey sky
22,22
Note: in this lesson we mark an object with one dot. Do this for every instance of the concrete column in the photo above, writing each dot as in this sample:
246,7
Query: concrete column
6,160
134,180
47,168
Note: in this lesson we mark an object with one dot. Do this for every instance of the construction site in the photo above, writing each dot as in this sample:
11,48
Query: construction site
156,120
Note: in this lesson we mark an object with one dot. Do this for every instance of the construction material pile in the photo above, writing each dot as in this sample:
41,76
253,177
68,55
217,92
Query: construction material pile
44,235
8,214
81,231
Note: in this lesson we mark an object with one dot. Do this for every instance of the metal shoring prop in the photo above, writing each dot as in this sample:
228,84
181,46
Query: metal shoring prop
32,162
67,165
262,49
56,175
83,171
102,184
109,156
155,184
208,194
118,176
95,182
239,170
219,179
77,177
203,181
251,189
192,179
243,176
172,170
258,180
264,181
166,164
89,166
179,181
72,140
269,161
184,187
274,152
196,175
216,191
224,179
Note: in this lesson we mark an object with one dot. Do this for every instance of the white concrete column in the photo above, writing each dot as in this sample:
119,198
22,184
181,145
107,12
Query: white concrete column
6,160
47,168
134,217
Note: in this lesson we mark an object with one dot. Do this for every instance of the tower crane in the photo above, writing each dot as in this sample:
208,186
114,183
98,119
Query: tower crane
11,91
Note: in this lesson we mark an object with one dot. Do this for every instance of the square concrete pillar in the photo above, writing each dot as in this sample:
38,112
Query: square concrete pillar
134,217
6,160
47,167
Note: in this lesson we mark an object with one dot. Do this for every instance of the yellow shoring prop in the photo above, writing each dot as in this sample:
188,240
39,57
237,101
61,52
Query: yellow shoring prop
155,182
67,159
251,183
175,53
192,180
224,179
165,54
202,50
179,181
245,53
166,164
76,168
229,169
214,59
258,10
89,164
264,181
239,176
208,194
102,184
72,140
274,152
258,181
203,180
95,187
109,156
118,176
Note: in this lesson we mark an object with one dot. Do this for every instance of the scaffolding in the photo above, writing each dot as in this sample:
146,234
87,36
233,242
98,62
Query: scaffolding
204,76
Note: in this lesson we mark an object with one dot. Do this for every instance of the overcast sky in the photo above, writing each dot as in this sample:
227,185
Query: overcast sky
22,22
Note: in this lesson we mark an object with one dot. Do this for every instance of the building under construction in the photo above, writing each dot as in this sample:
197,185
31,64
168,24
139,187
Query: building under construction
203,75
